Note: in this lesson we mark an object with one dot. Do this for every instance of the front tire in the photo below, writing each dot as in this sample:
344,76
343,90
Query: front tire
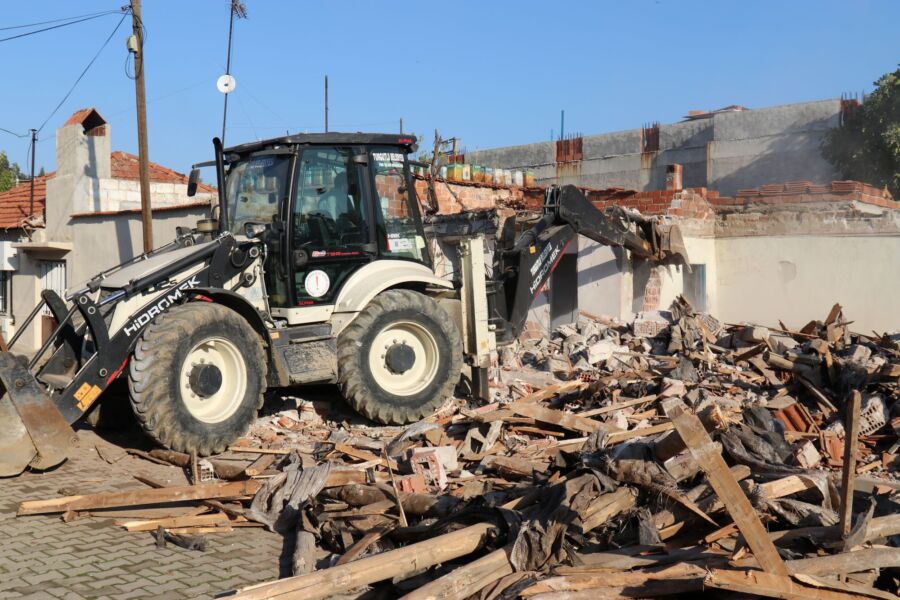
400,358
197,378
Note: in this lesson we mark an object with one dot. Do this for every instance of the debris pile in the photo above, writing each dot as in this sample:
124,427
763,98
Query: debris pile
667,456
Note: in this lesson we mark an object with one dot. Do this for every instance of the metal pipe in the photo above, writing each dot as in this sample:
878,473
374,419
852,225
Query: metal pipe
220,178
31,203
25,325
51,339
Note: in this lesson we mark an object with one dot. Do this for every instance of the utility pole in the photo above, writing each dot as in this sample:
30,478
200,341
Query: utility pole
326,104
31,203
141,98
401,125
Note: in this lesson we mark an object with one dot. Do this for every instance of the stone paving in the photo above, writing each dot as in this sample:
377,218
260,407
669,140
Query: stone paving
43,557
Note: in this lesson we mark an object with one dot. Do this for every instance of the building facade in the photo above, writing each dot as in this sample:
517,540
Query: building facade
83,218
724,151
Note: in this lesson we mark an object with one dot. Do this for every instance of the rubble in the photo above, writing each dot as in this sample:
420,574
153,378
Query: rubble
670,455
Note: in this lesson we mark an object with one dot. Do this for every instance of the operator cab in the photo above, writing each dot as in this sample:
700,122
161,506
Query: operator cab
325,205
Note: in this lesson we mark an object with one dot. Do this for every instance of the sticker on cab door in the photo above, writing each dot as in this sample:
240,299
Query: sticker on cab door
317,283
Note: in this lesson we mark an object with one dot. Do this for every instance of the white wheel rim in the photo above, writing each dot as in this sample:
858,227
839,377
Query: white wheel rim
226,357
423,370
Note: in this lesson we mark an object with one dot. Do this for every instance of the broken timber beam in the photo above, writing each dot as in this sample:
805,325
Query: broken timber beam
387,565
770,585
203,491
701,447
851,426
880,557
467,580
556,417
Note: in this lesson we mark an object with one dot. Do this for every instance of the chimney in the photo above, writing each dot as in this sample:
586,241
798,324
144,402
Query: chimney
83,146
674,177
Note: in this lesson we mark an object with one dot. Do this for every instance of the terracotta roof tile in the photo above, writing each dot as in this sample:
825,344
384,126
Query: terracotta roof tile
125,166
15,202
80,115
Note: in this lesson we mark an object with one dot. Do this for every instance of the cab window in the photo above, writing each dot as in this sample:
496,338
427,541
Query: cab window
328,222
329,211
398,233
255,190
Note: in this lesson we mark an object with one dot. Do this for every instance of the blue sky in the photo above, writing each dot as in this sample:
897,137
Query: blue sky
491,73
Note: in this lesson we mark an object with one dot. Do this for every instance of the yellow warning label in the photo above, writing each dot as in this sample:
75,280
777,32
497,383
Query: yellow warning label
86,395
84,389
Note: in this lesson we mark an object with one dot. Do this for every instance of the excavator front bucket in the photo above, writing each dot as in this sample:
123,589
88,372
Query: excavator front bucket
33,433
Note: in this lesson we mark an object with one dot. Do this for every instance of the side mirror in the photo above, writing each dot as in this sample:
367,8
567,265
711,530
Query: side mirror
301,259
193,180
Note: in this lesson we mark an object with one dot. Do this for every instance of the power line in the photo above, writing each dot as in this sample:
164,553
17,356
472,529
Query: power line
80,77
97,14
18,135
21,35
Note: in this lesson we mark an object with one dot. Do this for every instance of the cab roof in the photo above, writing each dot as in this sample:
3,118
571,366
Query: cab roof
329,139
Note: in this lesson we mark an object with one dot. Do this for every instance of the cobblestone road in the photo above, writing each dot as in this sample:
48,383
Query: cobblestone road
43,557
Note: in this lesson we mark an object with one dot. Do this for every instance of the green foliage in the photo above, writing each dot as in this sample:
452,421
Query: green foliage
9,173
867,148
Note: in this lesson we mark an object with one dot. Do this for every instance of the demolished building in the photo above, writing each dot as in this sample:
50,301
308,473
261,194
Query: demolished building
767,254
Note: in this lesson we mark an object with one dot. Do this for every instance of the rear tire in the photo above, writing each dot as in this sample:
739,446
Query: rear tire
197,378
400,358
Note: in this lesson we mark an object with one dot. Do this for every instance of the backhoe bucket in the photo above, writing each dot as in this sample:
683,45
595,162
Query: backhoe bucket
33,433
670,243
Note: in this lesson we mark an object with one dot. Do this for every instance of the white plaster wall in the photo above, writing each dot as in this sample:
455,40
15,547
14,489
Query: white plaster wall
799,278
600,278
702,251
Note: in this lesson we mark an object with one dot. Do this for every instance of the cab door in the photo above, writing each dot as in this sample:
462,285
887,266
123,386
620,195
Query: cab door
329,226
398,224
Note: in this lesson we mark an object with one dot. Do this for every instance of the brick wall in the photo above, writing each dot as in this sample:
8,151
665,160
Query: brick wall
652,290
804,192
458,197
690,203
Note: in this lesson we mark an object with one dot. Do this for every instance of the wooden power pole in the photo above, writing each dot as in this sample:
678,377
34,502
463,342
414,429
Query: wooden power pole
141,98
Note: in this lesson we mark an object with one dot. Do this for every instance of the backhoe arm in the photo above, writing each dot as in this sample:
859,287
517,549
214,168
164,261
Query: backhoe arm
523,268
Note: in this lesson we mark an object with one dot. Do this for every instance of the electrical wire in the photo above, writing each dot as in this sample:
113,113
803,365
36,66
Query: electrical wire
27,33
18,135
80,77
97,14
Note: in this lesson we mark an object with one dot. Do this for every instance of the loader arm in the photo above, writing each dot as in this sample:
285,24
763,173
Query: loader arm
523,267
41,397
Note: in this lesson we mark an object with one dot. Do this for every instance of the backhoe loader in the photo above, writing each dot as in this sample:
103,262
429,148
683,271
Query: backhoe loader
315,269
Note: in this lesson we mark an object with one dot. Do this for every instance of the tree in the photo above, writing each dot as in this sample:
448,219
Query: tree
867,147
9,173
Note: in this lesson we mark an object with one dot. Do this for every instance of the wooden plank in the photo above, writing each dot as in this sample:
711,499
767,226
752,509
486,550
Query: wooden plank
199,530
552,390
769,585
785,486
880,557
621,436
362,544
387,565
851,429
597,581
141,497
606,507
701,447
556,417
365,456
618,406
260,464
190,521
259,450
465,581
